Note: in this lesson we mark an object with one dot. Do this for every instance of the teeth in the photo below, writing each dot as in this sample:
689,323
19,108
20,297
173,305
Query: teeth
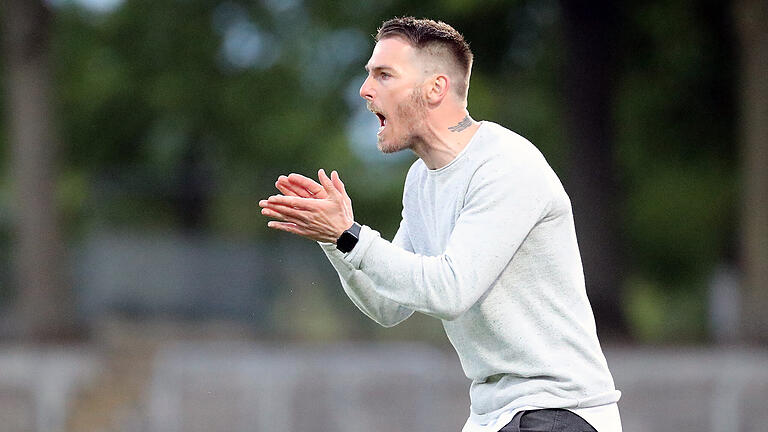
382,122
383,125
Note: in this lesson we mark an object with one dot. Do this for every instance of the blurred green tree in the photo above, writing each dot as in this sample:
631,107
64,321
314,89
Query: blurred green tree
677,160
179,115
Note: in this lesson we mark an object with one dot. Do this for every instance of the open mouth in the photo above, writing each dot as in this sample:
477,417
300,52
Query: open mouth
382,122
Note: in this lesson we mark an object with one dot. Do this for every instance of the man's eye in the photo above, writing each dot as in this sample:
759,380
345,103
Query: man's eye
384,75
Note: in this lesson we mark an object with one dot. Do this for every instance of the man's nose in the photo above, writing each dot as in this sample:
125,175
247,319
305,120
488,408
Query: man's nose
366,92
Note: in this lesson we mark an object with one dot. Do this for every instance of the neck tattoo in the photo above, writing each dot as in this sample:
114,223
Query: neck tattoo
460,126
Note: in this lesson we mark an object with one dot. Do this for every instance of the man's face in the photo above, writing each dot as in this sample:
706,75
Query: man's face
393,91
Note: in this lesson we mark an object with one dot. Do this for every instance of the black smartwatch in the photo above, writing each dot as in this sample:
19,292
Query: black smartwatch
348,239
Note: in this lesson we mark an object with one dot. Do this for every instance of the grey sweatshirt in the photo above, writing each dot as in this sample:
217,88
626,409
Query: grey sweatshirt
487,244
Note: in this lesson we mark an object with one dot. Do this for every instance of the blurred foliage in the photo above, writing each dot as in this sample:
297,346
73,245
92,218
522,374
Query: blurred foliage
678,154
168,107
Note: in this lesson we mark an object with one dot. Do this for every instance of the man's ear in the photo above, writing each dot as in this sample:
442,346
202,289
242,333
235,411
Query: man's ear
437,89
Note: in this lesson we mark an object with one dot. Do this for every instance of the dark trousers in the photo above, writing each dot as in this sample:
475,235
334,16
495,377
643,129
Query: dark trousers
547,420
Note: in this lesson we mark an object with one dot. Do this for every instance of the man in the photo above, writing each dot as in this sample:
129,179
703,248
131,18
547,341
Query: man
486,243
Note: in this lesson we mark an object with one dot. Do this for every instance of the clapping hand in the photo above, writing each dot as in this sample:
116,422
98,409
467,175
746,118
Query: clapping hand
318,211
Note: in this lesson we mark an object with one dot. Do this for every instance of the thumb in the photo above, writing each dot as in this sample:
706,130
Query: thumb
326,182
337,183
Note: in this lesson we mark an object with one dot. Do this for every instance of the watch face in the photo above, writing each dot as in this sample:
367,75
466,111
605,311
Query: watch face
346,242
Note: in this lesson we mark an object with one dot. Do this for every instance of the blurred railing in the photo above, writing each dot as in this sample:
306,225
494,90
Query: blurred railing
296,388
692,389
37,386
241,386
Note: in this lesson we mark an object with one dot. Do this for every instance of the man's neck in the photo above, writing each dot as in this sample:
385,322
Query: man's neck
446,137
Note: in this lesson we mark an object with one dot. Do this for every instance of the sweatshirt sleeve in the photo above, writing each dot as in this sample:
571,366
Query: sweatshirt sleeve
362,290
502,204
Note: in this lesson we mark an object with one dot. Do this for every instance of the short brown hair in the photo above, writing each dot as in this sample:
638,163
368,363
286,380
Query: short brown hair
429,34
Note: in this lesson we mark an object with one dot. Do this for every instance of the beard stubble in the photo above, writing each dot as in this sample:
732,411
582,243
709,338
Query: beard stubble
410,114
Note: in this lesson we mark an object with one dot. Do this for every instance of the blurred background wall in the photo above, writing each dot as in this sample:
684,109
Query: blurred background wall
137,136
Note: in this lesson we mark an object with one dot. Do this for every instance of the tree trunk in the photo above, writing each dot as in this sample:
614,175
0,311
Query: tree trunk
590,33
43,300
752,26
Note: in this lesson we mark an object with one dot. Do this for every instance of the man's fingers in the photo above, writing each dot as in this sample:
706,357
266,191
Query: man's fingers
271,214
287,188
290,201
337,183
281,211
326,182
287,227
341,188
276,224
284,214
312,187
